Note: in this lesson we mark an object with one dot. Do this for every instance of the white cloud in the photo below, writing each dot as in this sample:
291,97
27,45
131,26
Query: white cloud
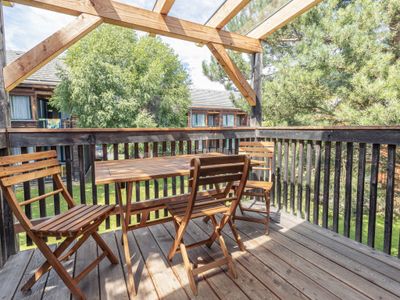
26,26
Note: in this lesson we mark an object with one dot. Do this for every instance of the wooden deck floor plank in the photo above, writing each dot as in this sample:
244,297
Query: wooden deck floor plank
90,283
328,249
294,258
38,288
144,284
387,270
165,281
55,287
364,249
112,280
12,272
307,286
341,273
165,240
266,277
223,285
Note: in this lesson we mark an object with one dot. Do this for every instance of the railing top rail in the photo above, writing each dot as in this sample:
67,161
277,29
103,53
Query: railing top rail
133,130
335,128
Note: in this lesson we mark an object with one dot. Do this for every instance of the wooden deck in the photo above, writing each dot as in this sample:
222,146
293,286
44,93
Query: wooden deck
297,260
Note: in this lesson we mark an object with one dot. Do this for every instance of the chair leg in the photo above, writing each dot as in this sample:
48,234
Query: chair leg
236,235
46,266
102,244
59,268
268,210
189,269
177,241
217,230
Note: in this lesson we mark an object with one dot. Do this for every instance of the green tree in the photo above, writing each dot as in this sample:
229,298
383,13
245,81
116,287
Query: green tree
112,78
337,64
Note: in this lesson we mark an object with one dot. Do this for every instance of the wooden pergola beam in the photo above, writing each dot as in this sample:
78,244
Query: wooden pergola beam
282,17
126,15
226,12
28,63
233,72
163,6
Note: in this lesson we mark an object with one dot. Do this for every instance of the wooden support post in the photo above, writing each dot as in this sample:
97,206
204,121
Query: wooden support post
7,237
256,78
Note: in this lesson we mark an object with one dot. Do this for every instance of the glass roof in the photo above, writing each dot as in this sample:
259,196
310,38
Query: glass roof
256,12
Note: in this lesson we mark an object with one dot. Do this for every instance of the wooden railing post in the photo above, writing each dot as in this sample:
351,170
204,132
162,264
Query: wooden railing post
7,237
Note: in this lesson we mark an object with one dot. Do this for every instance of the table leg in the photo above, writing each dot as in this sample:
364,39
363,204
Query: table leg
125,219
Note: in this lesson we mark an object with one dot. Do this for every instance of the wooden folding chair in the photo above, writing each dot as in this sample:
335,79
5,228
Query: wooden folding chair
80,221
220,172
261,154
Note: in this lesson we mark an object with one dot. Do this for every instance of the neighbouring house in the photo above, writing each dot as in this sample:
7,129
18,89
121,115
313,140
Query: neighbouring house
212,108
29,101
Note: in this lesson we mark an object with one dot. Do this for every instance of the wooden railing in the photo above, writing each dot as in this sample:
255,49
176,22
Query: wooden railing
328,176
79,148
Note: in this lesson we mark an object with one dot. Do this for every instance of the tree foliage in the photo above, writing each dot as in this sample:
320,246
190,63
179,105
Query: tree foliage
112,78
337,64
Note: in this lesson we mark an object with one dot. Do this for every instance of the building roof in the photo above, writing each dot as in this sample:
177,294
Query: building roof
46,75
211,99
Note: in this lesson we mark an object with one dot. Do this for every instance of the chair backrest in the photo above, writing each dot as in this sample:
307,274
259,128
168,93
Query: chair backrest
261,154
17,169
220,172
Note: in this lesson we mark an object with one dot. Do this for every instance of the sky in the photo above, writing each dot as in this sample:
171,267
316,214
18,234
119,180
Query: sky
26,26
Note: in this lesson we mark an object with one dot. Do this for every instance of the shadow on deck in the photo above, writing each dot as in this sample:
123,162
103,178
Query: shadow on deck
297,260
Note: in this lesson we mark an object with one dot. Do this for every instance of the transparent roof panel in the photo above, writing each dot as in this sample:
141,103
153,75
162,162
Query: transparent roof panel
195,11
256,12
146,4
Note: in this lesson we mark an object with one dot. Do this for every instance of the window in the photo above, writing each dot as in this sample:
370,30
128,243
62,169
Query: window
21,108
211,120
198,120
228,120
240,120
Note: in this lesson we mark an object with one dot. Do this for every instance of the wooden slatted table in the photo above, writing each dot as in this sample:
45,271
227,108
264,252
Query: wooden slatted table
129,171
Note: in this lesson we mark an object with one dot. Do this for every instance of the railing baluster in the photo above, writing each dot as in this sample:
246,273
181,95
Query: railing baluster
68,168
181,178
317,182
42,191
285,174
92,153
391,166
362,151
327,177
348,189
82,184
308,180
373,194
173,153
155,182
278,176
273,175
119,201
136,155
336,186
292,176
300,179
57,208
27,195
106,186
165,180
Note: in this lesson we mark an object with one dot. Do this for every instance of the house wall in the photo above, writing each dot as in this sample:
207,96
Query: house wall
218,113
